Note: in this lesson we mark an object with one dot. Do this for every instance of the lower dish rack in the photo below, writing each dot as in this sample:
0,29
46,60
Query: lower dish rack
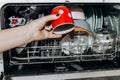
50,51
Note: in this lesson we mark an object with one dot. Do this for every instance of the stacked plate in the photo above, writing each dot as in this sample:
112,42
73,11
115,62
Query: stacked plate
94,17
112,23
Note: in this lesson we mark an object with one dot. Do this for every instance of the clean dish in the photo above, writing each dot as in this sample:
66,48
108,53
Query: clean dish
75,43
77,13
96,19
116,25
82,25
101,20
111,26
89,16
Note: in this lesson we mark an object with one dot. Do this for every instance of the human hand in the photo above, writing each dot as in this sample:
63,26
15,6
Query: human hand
37,27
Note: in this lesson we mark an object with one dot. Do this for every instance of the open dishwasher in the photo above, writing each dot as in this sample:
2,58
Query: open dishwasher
74,52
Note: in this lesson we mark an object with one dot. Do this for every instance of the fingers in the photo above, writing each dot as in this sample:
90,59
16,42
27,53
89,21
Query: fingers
48,18
55,36
44,34
41,22
37,28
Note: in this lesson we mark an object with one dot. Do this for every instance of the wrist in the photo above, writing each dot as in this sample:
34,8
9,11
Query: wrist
30,33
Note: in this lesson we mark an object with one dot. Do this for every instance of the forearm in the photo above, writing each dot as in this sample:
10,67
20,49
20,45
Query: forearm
14,37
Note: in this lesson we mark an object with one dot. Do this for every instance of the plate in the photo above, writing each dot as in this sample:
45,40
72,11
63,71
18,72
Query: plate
99,18
89,16
96,19
116,25
111,24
